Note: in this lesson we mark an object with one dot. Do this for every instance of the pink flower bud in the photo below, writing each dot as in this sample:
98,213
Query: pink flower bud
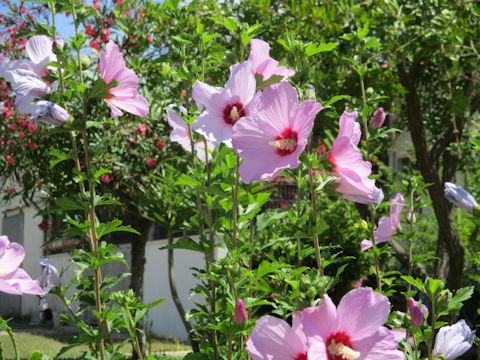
105,178
151,162
417,313
240,312
378,118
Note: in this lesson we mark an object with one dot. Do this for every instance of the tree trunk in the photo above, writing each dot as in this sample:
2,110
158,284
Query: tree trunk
450,251
175,298
137,266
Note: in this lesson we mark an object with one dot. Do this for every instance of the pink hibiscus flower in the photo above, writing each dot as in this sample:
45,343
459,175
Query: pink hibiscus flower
353,330
225,106
125,94
274,339
262,62
271,141
388,225
181,135
352,171
13,279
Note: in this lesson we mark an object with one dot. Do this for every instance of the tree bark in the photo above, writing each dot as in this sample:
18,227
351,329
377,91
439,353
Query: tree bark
450,251
137,267
175,297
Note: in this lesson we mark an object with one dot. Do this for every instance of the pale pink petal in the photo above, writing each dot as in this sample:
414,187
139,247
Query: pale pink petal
112,63
263,63
202,93
317,349
380,345
346,156
303,120
365,245
128,84
12,258
199,147
396,206
361,312
211,126
321,321
241,84
26,283
274,339
180,133
385,230
4,242
349,127
137,105
39,49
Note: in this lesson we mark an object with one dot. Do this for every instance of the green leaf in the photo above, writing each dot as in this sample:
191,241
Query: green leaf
373,42
70,204
100,89
184,179
362,32
456,302
336,98
113,226
60,156
315,48
414,282
185,243
261,84
179,39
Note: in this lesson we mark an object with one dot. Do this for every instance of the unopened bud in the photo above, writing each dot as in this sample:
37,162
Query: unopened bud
240,312
417,313
460,197
378,118
49,112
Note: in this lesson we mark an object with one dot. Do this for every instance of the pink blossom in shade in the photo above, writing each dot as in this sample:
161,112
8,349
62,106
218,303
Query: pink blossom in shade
271,141
125,94
353,330
142,128
352,172
240,314
13,279
105,178
10,160
388,225
262,62
378,118
274,339
225,106
417,313
181,135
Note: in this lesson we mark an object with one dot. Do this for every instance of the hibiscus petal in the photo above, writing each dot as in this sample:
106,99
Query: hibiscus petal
268,340
361,312
378,346
39,49
137,105
12,258
321,320
202,94
241,84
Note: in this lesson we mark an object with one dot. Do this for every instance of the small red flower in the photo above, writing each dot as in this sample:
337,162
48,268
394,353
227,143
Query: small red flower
10,160
151,162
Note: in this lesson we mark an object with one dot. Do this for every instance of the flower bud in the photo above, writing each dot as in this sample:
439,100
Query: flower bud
460,197
378,118
50,113
417,313
453,341
240,312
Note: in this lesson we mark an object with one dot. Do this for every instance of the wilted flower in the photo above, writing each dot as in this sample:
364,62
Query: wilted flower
49,279
417,313
353,173
125,94
13,279
378,118
453,341
271,141
262,62
225,106
388,225
240,312
50,113
460,197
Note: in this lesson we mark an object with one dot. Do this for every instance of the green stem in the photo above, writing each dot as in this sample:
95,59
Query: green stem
134,329
374,247
235,202
91,216
434,322
313,196
211,255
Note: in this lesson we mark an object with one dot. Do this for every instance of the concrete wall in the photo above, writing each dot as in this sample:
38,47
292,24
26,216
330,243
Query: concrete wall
164,319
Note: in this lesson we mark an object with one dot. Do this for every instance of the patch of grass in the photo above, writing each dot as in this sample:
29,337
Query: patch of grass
51,345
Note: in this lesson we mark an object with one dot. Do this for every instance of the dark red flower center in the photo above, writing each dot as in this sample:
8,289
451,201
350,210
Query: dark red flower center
301,356
339,347
286,143
233,112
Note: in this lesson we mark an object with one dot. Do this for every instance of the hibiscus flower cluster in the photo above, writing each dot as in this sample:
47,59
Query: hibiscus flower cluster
270,129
